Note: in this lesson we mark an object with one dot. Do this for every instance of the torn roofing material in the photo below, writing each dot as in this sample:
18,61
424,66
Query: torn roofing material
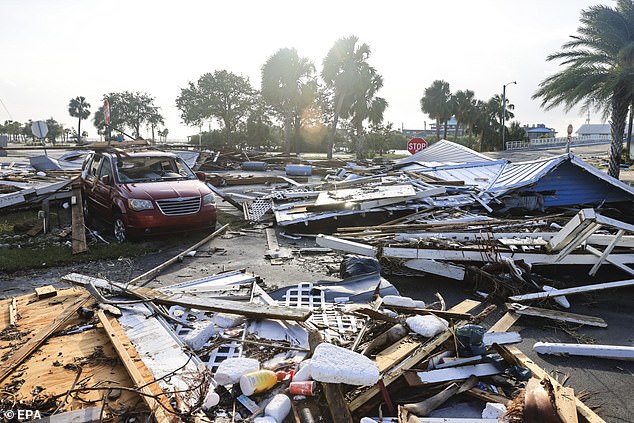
446,152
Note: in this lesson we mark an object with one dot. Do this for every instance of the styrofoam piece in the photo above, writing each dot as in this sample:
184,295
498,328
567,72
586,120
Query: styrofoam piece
493,410
265,419
397,300
367,420
278,407
303,374
419,304
225,320
428,325
211,399
333,364
231,369
198,337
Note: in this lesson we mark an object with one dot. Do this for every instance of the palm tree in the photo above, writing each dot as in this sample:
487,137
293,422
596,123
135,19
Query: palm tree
436,103
287,83
365,106
465,110
342,67
598,68
78,107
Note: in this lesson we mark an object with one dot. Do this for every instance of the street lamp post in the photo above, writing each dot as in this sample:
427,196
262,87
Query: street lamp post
504,110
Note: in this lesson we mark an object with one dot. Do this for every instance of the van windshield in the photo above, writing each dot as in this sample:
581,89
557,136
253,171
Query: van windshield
152,169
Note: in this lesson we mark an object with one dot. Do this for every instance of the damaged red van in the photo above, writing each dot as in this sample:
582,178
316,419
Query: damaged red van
145,192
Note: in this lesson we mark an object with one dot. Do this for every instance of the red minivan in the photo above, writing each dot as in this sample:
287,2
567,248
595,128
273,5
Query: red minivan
145,192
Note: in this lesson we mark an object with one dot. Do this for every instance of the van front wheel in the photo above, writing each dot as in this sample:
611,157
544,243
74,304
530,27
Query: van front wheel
118,228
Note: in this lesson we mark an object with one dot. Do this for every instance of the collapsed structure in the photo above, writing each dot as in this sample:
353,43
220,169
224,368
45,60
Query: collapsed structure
226,348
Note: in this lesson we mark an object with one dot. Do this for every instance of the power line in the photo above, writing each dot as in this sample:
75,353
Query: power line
5,108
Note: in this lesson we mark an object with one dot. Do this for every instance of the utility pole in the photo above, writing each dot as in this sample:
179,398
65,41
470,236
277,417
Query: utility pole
504,111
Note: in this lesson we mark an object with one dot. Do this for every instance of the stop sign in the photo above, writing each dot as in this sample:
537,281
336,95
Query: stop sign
415,145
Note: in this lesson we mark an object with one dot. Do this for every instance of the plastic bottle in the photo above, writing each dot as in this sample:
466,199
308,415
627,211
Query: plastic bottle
259,381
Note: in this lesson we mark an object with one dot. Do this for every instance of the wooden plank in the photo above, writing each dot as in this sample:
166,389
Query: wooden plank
617,352
606,252
394,353
13,312
32,344
345,245
77,214
610,259
118,338
565,404
45,292
562,316
426,311
413,358
84,415
505,322
514,356
487,396
155,271
575,225
436,268
575,290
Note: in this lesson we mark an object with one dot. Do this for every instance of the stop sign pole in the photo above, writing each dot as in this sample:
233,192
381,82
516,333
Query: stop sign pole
569,138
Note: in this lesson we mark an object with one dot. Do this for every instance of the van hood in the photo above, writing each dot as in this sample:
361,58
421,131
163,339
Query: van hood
165,189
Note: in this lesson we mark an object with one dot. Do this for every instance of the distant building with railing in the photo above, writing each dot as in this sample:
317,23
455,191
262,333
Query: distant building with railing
539,131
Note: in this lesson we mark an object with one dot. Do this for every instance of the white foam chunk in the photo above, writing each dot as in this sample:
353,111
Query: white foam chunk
265,419
419,304
333,364
367,420
198,337
428,325
493,410
303,374
231,369
278,407
397,300
225,320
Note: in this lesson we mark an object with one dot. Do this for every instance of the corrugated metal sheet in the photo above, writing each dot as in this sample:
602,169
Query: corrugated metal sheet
446,152
481,174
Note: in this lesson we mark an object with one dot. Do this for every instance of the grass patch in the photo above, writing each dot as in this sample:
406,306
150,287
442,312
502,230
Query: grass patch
36,254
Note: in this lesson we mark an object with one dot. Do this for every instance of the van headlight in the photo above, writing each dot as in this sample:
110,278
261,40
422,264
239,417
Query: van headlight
137,204
209,199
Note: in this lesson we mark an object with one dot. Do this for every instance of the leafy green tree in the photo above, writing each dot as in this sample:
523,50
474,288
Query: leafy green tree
222,95
366,105
78,107
289,86
128,110
381,138
516,132
341,70
465,110
154,119
436,103
598,68
13,129
54,130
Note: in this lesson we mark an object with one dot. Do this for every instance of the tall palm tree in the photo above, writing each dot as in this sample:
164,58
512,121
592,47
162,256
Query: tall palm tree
78,107
287,83
465,110
342,67
599,66
365,106
436,103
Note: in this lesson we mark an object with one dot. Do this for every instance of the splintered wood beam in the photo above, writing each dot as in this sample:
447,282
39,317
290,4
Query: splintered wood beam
561,316
150,390
575,290
32,344
505,322
77,215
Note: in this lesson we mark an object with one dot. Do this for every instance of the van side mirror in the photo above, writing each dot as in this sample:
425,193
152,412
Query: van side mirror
105,179
201,176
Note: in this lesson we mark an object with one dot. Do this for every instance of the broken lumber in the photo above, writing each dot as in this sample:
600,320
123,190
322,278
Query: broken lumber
77,214
575,290
561,316
32,344
455,373
160,409
436,268
428,405
13,312
45,292
339,244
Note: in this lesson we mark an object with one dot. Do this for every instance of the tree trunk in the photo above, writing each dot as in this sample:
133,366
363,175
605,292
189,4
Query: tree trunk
360,147
444,133
287,133
333,130
455,133
617,125
79,131
628,141
153,141
437,129
470,129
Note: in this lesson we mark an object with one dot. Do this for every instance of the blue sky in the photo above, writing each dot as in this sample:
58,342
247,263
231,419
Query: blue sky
55,50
